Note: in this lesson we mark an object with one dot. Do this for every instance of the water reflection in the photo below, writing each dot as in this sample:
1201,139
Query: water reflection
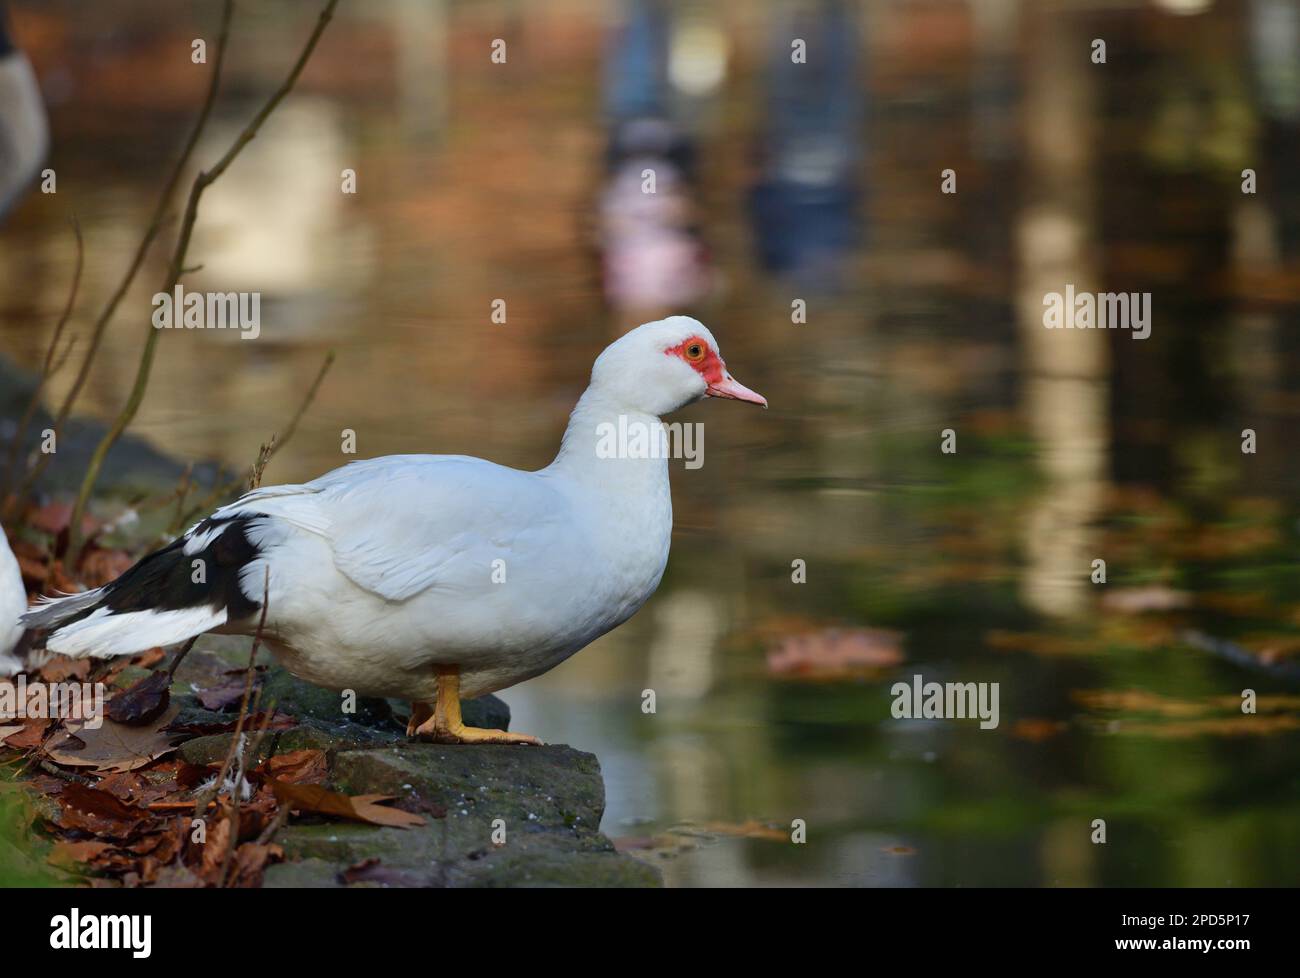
521,182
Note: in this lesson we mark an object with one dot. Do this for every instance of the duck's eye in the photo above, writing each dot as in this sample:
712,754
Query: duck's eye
695,351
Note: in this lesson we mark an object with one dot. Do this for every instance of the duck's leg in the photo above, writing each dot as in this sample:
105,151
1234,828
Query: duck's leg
420,712
446,726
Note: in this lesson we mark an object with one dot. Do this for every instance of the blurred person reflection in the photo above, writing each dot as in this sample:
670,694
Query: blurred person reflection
805,204
1275,46
653,256
24,134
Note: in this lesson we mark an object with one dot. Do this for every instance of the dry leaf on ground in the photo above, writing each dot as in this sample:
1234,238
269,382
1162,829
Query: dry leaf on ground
298,767
27,735
359,808
143,702
226,694
113,746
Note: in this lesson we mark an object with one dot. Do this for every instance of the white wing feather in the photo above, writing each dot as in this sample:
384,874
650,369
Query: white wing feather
401,524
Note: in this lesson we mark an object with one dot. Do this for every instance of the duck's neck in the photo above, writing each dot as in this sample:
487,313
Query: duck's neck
610,446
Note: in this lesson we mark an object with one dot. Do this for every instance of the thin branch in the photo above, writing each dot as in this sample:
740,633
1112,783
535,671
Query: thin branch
182,493
248,675
232,844
265,453
302,408
156,223
201,182
63,358
171,673
263,456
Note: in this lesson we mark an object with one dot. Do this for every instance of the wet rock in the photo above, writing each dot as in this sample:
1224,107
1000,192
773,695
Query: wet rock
547,801
496,816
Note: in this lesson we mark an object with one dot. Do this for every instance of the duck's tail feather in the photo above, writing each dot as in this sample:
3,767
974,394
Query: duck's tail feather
185,589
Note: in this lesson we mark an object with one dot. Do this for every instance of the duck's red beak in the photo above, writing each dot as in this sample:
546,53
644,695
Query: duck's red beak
733,389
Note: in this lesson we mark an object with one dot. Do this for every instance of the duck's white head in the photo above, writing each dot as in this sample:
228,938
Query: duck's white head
662,366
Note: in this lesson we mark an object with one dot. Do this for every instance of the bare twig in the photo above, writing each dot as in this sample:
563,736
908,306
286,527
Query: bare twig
202,181
182,491
263,456
156,224
248,689
306,403
220,490
265,453
277,823
171,673
244,755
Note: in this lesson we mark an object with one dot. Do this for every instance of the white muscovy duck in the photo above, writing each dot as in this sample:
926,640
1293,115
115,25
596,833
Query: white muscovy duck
430,577
24,130
13,602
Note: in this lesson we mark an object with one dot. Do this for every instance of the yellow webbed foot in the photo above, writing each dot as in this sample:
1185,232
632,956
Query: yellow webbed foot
443,725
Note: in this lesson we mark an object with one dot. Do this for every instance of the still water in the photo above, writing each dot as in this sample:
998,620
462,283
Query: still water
479,182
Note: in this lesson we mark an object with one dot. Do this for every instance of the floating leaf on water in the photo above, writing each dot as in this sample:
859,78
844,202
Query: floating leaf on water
1036,729
1152,597
836,653
1244,725
1137,701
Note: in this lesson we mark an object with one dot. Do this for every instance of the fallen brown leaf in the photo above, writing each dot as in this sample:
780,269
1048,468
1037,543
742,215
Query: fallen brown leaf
251,860
298,767
226,694
98,812
28,735
113,746
61,668
215,846
360,808
149,658
73,855
132,788
143,702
